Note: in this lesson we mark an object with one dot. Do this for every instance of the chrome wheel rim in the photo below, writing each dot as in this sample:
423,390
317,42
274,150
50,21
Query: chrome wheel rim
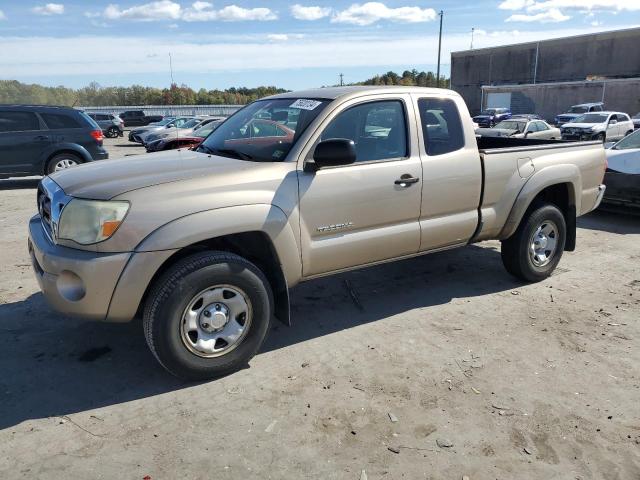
216,321
543,243
64,164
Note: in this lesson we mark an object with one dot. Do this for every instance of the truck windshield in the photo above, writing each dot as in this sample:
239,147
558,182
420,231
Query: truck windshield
263,131
578,109
490,111
591,118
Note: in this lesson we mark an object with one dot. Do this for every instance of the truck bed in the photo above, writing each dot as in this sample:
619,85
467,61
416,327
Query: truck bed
490,143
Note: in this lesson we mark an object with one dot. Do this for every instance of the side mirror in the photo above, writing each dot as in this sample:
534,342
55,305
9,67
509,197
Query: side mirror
170,125
613,121
332,153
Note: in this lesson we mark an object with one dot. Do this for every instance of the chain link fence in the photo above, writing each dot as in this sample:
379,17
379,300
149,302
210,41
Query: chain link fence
166,110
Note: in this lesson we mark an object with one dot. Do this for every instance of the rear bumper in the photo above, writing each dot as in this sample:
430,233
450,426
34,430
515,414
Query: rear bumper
100,155
601,190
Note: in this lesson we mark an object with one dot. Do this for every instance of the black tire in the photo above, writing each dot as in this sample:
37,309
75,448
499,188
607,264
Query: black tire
112,132
602,137
51,165
515,249
170,296
628,133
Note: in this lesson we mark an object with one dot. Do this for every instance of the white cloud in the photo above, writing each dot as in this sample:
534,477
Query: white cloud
309,13
550,16
198,12
74,57
596,23
278,37
371,12
233,13
515,4
612,5
160,10
283,37
2,15
49,9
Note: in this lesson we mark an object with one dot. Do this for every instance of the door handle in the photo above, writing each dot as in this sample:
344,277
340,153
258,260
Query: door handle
406,180
41,138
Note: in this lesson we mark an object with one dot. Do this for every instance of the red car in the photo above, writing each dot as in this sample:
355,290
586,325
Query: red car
191,141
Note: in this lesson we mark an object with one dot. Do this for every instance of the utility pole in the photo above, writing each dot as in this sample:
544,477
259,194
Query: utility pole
472,30
171,68
439,49
342,79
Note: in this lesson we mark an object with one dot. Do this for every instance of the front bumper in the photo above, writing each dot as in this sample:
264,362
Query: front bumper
74,282
97,286
582,136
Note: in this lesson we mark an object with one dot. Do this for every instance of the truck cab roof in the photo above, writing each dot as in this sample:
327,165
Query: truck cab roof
332,93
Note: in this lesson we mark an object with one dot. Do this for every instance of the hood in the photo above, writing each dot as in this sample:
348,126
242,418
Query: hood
624,161
495,132
105,179
581,125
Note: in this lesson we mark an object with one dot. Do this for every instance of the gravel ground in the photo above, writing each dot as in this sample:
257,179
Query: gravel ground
444,367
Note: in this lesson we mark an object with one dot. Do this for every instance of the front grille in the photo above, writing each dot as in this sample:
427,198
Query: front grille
44,208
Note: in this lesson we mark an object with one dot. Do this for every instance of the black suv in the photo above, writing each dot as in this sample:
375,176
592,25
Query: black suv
38,140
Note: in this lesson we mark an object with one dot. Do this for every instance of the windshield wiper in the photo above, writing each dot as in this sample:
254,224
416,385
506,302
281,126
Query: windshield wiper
204,149
230,152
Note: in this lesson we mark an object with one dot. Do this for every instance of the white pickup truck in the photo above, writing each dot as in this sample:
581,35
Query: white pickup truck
205,244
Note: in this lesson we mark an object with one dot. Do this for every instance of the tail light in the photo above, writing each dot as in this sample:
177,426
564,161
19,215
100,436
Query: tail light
97,136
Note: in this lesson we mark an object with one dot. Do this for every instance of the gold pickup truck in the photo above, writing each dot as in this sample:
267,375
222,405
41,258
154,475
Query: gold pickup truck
205,244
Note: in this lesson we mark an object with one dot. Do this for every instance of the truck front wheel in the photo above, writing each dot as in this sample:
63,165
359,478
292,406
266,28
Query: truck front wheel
534,250
208,315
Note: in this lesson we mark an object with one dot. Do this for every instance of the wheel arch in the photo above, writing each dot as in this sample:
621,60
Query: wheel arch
259,233
559,185
58,149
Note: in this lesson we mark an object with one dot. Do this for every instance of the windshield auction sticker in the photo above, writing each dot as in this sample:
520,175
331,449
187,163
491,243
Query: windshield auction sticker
305,104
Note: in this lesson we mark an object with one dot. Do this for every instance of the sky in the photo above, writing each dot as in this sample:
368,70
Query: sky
289,44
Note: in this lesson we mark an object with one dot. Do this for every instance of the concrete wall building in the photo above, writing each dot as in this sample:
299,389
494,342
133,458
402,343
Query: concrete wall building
547,77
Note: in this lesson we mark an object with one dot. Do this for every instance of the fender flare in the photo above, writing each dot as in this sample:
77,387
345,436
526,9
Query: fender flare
209,224
553,175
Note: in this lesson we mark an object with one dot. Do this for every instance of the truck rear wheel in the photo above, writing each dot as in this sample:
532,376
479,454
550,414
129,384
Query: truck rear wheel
208,315
534,250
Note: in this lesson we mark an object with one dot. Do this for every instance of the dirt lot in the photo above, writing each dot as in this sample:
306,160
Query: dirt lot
521,381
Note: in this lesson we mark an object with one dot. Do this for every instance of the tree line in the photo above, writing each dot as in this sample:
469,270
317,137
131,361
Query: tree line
12,91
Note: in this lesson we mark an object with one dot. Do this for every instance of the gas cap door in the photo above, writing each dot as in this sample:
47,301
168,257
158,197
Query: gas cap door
525,167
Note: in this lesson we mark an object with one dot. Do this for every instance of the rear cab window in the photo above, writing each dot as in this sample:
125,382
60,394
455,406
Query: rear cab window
441,126
13,121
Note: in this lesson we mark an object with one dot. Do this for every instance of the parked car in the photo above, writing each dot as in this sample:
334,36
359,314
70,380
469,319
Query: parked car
173,143
491,116
38,140
520,127
623,174
602,126
185,130
636,121
577,110
112,126
206,243
136,118
137,134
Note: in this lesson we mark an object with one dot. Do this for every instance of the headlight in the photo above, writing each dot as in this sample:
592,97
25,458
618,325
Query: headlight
91,221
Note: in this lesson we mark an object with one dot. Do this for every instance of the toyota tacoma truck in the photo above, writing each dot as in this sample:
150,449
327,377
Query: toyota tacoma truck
205,244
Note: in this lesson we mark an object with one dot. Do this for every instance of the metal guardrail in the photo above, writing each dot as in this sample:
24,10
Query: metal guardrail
221,110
